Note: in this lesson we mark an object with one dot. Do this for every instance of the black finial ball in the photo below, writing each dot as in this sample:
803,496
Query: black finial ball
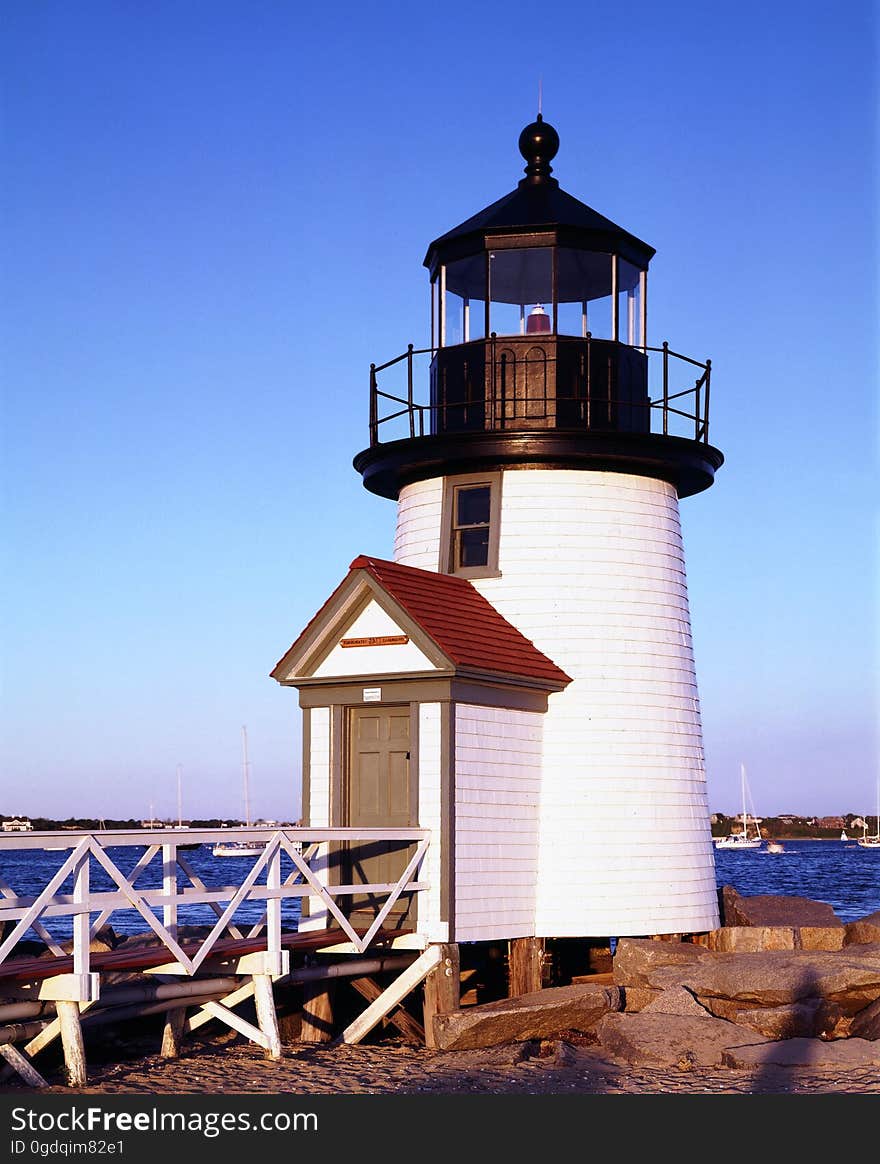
538,143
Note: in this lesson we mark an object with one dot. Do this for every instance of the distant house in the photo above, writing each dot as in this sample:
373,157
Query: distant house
831,822
788,818
16,826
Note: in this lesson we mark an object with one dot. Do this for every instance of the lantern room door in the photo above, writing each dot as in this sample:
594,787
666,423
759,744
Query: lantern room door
381,794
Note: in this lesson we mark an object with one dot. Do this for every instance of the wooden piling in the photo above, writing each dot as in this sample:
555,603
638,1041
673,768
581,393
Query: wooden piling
72,1042
525,966
317,1012
264,1001
442,990
172,1033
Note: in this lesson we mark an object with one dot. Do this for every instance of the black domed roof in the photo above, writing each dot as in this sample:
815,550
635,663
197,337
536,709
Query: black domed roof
539,205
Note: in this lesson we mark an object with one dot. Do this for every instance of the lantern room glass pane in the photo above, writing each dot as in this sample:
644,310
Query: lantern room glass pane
584,285
629,308
466,299
520,290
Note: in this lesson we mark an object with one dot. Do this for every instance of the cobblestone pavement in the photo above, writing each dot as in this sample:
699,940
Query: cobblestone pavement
232,1066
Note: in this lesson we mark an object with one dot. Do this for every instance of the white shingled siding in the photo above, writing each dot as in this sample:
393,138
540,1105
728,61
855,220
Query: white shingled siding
319,805
380,659
417,539
430,792
497,788
592,571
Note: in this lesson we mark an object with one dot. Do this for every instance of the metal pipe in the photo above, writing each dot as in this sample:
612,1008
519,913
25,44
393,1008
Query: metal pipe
17,1010
97,1018
348,969
18,1032
166,991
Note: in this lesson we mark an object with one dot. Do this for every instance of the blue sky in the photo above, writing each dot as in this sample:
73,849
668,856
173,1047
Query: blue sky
213,219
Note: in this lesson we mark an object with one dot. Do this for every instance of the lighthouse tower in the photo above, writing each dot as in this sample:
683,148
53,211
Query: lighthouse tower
538,450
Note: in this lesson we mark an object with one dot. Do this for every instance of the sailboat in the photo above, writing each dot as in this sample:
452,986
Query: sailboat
242,848
868,840
742,840
180,825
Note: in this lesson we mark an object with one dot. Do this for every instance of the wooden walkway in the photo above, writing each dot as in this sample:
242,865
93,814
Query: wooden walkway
194,980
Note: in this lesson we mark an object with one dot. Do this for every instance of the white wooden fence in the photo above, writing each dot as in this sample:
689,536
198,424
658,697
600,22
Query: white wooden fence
89,907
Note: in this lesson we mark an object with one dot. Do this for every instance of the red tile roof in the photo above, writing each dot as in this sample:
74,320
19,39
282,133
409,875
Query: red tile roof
464,625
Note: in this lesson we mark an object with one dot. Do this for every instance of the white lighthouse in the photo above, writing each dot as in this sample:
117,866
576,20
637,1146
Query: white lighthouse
546,679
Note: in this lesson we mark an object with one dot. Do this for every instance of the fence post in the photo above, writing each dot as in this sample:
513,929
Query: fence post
169,887
82,919
273,906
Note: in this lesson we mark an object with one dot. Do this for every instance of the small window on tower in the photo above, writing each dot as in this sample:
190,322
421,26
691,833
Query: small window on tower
470,522
471,526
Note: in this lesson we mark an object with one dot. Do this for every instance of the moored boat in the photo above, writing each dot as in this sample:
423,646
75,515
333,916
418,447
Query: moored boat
742,840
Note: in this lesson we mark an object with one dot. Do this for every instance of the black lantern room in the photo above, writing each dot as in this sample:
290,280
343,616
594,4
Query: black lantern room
539,351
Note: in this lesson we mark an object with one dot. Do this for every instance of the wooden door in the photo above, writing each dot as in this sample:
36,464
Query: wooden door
380,794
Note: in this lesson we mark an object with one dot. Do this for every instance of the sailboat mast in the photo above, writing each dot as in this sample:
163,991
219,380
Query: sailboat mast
245,777
179,800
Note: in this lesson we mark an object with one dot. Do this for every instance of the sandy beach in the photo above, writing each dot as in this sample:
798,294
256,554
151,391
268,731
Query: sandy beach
227,1065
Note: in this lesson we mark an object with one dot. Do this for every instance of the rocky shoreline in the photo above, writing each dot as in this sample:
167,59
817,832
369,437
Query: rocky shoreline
784,998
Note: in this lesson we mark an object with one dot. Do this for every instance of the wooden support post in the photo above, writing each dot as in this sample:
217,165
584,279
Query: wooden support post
391,996
72,1042
172,1033
525,966
317,1012
22,1066
369,989
264,1001
442,990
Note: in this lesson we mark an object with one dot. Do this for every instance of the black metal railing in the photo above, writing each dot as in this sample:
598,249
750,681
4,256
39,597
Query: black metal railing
546,382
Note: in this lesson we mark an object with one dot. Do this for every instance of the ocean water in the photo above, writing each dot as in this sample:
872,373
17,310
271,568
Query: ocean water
28,871
839,873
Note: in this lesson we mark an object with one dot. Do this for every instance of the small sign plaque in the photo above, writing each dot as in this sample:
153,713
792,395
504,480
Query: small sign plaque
376,641
372,695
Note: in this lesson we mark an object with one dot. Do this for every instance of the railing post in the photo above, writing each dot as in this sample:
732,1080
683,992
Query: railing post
493,421
697,408
706,402
409,390
169,887
589,402
374,408
665,388
273,906
82,919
